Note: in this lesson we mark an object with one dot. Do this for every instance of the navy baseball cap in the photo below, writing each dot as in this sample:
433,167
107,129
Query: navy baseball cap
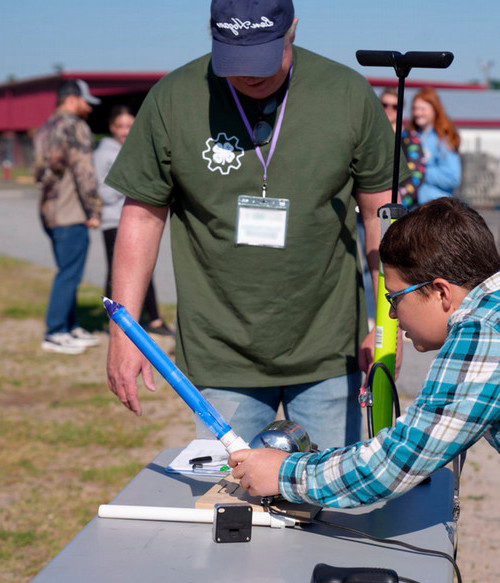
248,36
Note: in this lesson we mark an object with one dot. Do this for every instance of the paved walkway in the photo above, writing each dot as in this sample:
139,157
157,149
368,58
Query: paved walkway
22,236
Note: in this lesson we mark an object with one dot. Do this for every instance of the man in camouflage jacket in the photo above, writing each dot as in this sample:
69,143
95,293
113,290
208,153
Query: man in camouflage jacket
69,205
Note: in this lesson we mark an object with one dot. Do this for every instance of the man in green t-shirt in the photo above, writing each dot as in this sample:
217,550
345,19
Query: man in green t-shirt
261,153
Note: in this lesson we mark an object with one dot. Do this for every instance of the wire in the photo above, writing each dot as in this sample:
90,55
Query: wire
395,396
368,388
390,541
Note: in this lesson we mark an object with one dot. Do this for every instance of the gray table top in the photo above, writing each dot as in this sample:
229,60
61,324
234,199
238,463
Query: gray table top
131,551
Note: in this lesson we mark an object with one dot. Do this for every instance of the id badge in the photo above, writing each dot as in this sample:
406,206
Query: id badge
261,221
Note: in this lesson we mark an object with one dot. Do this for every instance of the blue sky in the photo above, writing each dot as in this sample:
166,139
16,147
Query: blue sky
160,35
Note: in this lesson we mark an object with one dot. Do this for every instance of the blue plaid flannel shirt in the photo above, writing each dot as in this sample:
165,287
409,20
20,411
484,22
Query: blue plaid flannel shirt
459,403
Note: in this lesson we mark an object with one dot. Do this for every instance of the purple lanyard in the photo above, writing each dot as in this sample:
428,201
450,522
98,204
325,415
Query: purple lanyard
274,140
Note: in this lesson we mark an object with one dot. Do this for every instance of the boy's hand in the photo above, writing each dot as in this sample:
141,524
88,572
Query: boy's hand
258,470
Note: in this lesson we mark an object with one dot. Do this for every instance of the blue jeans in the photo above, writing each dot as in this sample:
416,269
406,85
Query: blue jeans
328,410
70,245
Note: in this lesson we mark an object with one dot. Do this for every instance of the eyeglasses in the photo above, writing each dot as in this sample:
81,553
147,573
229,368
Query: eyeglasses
392,297
393,106
263,130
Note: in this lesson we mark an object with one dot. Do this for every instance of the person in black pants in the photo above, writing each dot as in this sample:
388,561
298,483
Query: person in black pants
120,122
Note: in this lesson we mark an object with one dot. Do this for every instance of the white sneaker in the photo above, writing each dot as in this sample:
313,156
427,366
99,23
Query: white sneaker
63,343
84,337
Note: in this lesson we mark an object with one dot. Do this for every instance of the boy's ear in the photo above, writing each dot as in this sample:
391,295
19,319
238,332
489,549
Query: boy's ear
445,290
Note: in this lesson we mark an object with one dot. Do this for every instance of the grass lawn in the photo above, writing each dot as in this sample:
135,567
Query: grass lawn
67,444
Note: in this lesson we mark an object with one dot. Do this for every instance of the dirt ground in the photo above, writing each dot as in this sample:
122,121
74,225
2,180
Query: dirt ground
479,524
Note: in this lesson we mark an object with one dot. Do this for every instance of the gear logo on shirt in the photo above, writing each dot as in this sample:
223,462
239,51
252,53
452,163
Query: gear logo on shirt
223,154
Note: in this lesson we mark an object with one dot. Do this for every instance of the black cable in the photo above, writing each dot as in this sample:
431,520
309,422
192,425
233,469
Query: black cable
390,541
395,396
369,421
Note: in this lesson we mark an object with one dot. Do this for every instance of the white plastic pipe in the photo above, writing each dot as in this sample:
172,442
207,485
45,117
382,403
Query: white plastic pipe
233,442
184,515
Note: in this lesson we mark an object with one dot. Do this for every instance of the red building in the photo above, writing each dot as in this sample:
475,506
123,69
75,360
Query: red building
25,105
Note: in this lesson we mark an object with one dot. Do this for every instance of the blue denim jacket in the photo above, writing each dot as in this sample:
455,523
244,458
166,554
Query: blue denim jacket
442,168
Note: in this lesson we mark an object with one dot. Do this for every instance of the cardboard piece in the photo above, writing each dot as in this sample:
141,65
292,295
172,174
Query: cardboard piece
228,491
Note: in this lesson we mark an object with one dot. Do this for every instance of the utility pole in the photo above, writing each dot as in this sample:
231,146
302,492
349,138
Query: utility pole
486,67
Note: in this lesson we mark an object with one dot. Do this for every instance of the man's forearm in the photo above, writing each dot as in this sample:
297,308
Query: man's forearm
372,241
369,205
135,253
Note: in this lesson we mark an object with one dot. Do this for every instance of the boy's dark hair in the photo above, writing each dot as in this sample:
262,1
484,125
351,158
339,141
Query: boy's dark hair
442,238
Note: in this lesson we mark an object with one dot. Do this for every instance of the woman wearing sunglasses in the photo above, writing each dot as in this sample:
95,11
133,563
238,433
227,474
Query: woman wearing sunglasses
412,149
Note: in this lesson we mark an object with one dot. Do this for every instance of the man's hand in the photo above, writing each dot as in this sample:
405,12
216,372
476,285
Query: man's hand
134,257
93,223
125,364
366,352
399,354
258,470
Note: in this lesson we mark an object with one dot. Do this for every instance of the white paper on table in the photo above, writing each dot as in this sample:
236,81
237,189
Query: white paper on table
201,448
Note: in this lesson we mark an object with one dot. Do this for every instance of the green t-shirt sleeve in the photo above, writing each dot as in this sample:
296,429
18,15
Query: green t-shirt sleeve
142,168
370,163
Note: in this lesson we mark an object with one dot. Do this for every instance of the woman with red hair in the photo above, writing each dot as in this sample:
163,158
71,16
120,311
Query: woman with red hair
440,141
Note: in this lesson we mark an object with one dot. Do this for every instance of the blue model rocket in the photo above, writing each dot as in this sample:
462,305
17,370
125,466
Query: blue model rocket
178,381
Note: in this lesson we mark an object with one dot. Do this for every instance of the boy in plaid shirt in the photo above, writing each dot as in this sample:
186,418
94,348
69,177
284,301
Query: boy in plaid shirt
441,270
